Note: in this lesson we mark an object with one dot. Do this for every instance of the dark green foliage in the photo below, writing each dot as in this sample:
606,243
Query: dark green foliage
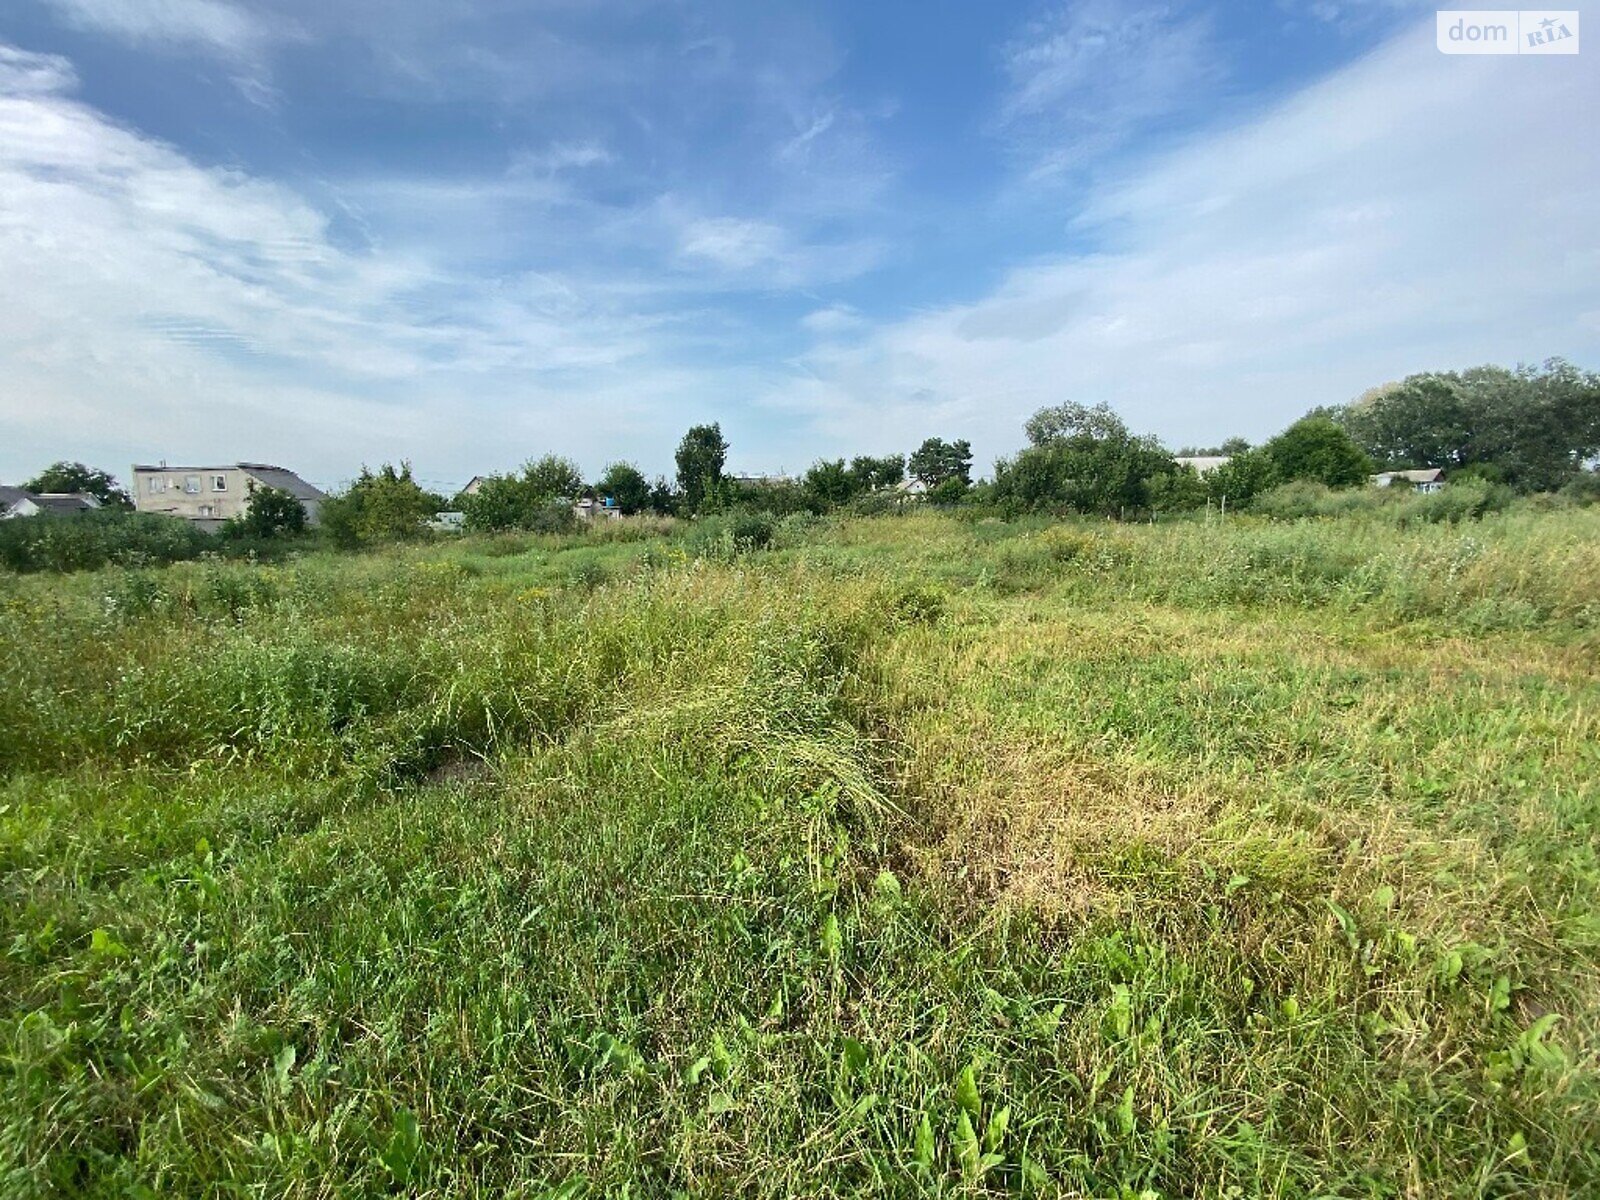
1532,426
937,460
829,484
1084,460
663,499
780,497
1181,490
1315,448
871,474
1246,474
271,513
527,500
952,490
700,458
626,486
95,539
385,506
76,477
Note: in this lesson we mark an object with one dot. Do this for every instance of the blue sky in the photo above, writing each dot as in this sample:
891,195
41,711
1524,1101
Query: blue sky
467,232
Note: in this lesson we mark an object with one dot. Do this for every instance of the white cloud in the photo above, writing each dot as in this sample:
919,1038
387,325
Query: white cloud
834,321
1090,74
153,307
208,24
23,73
1412,211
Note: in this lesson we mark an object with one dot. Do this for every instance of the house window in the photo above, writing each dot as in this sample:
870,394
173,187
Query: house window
208,510
191,484
156,484
219,483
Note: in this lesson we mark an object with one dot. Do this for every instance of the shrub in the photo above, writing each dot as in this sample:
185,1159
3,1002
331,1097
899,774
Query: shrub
97,539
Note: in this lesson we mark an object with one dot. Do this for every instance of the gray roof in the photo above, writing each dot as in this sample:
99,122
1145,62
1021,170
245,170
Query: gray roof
10,495
282,479
64,502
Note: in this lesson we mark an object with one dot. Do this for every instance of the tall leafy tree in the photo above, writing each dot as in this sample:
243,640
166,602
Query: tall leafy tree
271,513
1533,426
1317,448
537,497
936,461
76,477
873,474
626,486
829,484
386,505
700,458
1084,459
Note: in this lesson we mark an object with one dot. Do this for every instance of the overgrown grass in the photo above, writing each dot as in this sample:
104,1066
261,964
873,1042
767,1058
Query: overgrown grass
902,856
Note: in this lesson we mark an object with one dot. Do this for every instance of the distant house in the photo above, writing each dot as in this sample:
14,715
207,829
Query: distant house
448,522
19,502
209,496
1202,463
911,487
591,507
1429,479
474,486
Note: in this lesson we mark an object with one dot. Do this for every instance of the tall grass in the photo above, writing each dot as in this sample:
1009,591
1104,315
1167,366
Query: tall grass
902,856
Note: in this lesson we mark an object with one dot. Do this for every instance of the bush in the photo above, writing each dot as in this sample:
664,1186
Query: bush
97,539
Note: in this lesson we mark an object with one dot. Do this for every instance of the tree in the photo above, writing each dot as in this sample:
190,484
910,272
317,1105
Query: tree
663,499
871,474
1318,449
553,478
1246,474
1421,422
385,506
700,457
828,484
76,477
1531,427
626,487
271,513
530,499
937,460
1085,460
1064,421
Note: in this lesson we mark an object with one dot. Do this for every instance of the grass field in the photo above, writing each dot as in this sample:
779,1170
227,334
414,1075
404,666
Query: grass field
908,856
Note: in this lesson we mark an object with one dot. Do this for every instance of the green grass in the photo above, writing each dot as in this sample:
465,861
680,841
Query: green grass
909,856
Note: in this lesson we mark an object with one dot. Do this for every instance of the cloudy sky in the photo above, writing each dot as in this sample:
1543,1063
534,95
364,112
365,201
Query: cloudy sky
466,232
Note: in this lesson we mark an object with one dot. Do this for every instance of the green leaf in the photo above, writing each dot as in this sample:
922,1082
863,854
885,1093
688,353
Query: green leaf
400,1155
965,1143
102,943
854,1056
967,1091
721,1059
282,1064
1352,931
832,939
1500,994
922,1144
1124,1113
995,1134
693,1072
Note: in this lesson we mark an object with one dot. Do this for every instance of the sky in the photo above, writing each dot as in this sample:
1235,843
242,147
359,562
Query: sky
464,233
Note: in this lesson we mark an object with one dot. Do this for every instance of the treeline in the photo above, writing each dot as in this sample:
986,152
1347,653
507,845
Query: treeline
1523,430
